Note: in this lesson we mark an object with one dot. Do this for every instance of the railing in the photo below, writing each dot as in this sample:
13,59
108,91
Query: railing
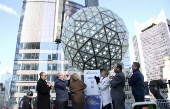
161,103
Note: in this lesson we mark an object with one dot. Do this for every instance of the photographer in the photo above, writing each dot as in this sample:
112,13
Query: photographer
61,90
25,102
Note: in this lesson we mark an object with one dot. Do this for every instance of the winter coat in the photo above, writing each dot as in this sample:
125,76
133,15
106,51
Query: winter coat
61,90
104,87
137,83
25,103
43,94
77,94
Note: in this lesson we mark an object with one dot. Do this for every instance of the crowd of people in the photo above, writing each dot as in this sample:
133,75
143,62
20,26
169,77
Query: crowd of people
111,89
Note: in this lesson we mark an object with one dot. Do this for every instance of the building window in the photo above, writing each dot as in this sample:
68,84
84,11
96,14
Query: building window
49,66
54,67
39,45
29,67
54,56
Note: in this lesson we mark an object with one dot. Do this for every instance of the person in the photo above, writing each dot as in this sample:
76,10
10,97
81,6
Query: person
104,87
25,102
77,92
61,90
137,83
117,85
43,90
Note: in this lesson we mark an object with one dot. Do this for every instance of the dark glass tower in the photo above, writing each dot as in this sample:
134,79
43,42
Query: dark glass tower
89,3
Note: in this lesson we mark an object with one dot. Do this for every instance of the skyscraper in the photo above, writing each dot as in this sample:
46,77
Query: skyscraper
151,45
89,3
2,93
35,48
126,60
5,77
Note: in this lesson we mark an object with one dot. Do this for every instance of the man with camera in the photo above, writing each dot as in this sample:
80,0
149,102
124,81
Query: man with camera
61,89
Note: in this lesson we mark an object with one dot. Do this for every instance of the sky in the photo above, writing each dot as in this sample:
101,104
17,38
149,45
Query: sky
128,10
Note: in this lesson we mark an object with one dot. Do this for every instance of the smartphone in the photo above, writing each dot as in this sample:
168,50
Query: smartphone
92,84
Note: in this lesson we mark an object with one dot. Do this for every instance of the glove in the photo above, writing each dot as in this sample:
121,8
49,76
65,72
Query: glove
97,79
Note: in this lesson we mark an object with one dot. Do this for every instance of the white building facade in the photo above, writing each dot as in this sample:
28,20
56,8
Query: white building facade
151,44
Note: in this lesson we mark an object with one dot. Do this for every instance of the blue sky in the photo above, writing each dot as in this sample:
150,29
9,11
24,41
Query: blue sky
128,10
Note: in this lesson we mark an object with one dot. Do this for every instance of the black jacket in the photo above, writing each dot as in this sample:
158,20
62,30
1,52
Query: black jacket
43,91
61,90
137,83
25,103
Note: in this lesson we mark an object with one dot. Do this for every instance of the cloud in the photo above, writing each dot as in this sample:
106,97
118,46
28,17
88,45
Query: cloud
7,9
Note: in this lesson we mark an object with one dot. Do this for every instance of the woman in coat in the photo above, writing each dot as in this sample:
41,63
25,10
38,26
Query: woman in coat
104,87
77,92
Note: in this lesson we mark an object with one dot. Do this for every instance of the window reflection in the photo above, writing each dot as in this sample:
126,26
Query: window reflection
40,56
32,77
25,89
22,89
40,45
29,67
54,56
42,66
54,67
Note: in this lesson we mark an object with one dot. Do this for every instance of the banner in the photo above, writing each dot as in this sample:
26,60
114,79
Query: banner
92,91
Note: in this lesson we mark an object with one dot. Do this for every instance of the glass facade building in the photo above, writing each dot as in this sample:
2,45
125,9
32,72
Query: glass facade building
89,3
126,60
127,69
71,8
35,49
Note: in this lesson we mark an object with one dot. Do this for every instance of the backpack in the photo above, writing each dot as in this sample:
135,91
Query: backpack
35,103
21,103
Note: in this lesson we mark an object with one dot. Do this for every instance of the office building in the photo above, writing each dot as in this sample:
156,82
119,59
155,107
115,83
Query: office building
5,77
151,44
126,60
89,3
7,86
2,92
35,48
127,70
